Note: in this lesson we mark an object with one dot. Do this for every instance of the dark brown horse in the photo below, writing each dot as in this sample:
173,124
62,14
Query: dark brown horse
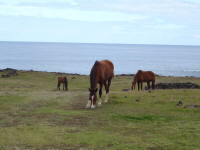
101,73
62,80
143,76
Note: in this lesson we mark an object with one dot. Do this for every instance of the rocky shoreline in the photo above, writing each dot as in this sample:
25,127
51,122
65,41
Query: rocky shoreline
117,75
9,72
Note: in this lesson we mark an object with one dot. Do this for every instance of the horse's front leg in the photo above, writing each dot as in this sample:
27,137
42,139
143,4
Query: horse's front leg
141,86
58,86
148,85
100,94
63,86
138,83
88,105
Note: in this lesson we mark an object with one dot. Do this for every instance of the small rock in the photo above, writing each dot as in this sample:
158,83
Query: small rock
180,103
125,90
137,100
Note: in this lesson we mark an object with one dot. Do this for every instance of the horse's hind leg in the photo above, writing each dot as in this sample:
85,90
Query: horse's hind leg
66,86
63,86
148,85
138,83
100,94
153,85
107,90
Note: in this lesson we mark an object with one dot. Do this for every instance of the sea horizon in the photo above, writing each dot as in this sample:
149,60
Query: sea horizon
62,42
164,60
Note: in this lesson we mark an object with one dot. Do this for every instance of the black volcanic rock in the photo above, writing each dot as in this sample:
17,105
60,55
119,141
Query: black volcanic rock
187,85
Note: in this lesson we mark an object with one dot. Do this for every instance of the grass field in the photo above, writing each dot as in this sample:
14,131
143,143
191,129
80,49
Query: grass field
35,116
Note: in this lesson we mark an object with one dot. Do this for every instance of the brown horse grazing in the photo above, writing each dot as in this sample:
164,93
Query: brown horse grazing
101,73
143,76
62,80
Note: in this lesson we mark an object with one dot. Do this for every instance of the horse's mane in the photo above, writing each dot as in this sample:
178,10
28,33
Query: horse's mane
136,75
93,70
93,74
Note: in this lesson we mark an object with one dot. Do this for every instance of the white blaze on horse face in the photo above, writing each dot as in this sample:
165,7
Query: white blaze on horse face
92,106
106,99
88,104
92,98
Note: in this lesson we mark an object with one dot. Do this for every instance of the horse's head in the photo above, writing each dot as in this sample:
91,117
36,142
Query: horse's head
93,95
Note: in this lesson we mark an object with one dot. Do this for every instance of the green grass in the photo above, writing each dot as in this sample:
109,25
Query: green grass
35,116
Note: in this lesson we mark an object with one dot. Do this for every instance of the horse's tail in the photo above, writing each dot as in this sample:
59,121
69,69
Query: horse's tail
58,85
113,75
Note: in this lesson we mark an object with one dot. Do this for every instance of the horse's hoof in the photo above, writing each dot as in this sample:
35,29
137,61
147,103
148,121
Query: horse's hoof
93,107
88,104
99,104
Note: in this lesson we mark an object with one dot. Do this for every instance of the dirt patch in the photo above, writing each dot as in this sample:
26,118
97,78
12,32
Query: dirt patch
159,147
48,119
191,106
79,102
180,104
187,85
10,123
47,147
77,121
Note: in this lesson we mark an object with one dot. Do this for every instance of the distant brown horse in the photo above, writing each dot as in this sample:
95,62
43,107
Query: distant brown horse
143,76
62,80
101,73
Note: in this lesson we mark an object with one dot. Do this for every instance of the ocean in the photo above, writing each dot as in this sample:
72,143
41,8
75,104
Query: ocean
168,60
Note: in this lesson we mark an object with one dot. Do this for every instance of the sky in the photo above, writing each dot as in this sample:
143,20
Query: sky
172,22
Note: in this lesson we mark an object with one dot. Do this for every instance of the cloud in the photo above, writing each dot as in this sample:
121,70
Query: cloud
50,3
196,36
166,26
143,21
30,2
176,10
192,1
168,7
69,14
